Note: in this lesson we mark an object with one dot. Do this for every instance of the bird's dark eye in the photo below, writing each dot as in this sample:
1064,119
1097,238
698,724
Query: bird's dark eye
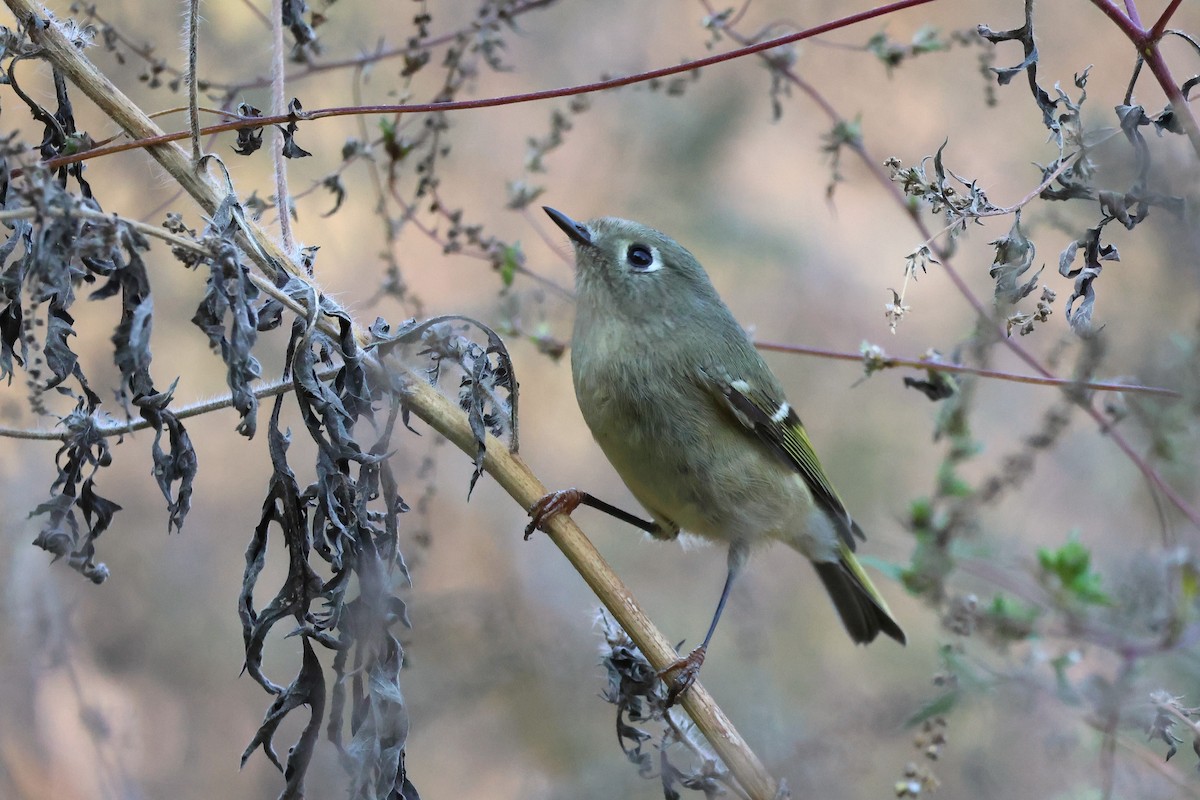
639,256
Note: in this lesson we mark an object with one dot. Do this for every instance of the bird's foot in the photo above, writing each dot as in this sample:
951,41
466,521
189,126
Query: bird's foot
564,501
687,669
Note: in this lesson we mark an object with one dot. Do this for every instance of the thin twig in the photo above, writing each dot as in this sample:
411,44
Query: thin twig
107,426
1046,183
283,199
890,362
1160,25
504,100
192,33
141,227
311,69
1146,45
1156,763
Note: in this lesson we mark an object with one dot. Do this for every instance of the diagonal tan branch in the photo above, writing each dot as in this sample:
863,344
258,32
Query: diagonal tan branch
423,400
523,486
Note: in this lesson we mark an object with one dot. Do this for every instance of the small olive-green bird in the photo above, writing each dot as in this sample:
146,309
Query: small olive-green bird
695,422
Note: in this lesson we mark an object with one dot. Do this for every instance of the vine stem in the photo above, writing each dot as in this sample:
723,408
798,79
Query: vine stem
1146,41
1160,26
283,198
423,400
891,362
118,427
491,102
193,104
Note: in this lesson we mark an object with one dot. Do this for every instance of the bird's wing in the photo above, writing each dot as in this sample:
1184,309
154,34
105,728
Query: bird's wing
775,423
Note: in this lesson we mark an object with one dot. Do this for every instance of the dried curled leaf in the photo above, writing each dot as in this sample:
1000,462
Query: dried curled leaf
1080,317
73,494
640,696
230,300
1014,256
337,519
488,389
64,249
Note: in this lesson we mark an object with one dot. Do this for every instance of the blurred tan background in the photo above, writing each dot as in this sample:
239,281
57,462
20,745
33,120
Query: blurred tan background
133,689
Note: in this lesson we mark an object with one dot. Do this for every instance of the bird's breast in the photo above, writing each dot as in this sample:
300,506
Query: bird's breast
683,457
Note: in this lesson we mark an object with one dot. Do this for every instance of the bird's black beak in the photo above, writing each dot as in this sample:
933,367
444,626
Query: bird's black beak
576,230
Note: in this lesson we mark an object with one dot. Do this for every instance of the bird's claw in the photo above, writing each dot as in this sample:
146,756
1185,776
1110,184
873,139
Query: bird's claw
563,501
687,669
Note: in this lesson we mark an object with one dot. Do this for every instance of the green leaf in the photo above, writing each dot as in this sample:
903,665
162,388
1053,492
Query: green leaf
1071,564
1006,607
388,129
510,261
1011,619
920,512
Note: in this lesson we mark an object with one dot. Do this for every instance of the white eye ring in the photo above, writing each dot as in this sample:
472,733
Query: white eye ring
642,258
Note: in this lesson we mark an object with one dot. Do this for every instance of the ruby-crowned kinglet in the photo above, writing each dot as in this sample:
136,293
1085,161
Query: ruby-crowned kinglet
696,424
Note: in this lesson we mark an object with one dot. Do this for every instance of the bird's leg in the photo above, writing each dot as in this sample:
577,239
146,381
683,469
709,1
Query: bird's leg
565,501
688,667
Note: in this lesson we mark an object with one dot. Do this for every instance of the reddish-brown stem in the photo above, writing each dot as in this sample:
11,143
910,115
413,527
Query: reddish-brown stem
1131,10
1179,104
527,97
1119,18
1146,42
890,362
1160,25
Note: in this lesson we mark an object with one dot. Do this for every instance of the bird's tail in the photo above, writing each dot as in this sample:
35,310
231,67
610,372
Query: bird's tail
862,609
